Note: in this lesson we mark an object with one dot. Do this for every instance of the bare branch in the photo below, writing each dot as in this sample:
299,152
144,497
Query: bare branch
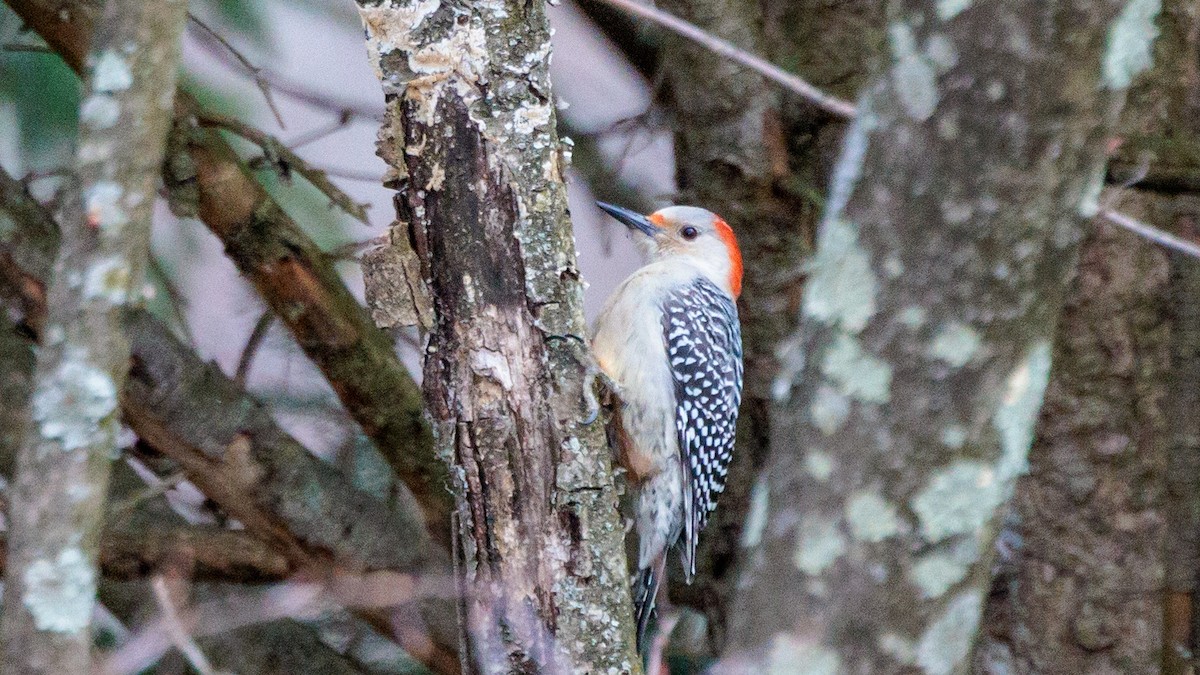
1165,239
772,72
261,327
179,633
296,279
255,71
281,156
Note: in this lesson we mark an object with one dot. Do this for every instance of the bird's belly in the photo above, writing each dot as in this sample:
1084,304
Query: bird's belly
635,359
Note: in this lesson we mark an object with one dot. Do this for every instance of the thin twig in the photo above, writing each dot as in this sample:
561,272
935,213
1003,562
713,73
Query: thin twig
178,300
772,72
351,174
161,487
261,327
282,157
1154,234
23,47
178,632
300,92
317,134
255,71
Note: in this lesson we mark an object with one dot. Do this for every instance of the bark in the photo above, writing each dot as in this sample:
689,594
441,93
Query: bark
295,278
909,395
1086,582
470,139
62,471
748,152
1087,545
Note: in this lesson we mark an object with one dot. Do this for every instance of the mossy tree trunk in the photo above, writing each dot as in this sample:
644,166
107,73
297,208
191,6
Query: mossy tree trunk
908,403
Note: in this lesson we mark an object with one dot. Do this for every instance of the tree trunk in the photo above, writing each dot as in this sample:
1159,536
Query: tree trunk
470,138
1080,587
62,471
908,400
1089,522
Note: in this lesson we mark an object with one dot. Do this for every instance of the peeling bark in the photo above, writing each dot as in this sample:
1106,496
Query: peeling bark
62,470
909,395
470,138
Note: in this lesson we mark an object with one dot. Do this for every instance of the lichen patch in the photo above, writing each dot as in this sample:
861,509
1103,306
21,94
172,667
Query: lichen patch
841,287
111,73
955,344
857,373
960,499
829,409
914,78
60,592
1130,38
792,656
819,543
72,405
871,518
947,641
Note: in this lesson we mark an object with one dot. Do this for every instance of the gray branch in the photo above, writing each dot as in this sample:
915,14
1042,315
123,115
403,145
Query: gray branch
63,467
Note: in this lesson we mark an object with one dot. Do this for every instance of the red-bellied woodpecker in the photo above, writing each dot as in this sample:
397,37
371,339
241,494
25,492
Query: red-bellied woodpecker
669,339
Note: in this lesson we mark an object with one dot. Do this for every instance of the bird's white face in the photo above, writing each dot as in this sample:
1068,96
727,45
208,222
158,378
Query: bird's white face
686,231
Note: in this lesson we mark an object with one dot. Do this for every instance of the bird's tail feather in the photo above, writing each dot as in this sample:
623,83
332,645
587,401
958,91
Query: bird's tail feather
645,593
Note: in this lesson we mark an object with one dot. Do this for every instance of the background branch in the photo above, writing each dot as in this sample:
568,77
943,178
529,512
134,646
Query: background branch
62,472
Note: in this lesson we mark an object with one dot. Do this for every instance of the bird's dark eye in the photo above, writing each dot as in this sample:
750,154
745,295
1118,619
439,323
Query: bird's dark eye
689,233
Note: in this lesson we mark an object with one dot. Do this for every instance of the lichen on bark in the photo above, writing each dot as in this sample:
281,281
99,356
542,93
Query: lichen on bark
470,140
968,228
62,469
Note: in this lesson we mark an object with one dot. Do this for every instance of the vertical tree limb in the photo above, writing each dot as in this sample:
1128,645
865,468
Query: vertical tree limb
62,470
909,397
470,139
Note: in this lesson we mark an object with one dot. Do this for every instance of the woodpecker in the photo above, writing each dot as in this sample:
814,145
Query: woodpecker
669,340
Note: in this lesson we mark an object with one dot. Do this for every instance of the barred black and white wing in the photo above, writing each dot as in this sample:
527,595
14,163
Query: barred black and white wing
704,348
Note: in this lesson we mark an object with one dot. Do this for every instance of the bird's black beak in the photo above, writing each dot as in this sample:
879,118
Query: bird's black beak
631,219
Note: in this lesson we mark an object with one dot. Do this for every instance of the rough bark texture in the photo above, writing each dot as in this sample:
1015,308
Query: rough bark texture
746,151
294,277
62,470
1085,595
1085,550
909,397
471,142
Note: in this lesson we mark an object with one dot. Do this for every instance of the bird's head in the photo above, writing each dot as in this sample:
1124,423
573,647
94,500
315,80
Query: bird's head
687,232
